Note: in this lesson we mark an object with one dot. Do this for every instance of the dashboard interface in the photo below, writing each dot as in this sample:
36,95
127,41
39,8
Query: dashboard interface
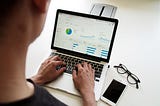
84,35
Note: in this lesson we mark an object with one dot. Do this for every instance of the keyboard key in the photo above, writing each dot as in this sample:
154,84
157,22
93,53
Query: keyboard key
97,80
97,74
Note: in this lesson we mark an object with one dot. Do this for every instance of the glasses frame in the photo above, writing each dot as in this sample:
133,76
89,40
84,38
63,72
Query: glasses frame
129,74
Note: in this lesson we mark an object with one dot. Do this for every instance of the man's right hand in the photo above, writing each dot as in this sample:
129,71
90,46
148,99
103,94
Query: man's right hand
84,82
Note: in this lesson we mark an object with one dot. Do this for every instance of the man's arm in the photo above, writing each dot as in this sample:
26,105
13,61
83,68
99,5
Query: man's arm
83,79
84,82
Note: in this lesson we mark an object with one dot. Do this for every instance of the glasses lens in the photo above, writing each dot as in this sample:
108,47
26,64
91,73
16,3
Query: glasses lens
123,66
132,79
121,70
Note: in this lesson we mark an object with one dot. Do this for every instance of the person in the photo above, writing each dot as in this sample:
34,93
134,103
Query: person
21,22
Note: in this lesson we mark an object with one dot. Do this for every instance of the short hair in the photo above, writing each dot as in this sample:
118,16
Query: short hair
5,7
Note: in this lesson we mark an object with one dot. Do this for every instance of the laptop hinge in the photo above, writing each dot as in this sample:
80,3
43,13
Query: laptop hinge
102,62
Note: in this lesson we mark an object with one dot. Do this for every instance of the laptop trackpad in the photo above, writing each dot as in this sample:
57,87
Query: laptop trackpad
64,83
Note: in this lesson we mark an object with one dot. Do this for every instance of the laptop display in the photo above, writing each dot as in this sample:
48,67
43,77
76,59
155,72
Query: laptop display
89,35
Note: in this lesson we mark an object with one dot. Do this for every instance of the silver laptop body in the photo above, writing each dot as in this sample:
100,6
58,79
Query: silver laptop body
78,38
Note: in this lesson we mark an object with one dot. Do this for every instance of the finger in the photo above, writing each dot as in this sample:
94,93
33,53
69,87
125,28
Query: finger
46,61
79,66
74,74
74,77
58,63
82,64
76,66
89,67
60,71
85,65
49,66
56,58
93,73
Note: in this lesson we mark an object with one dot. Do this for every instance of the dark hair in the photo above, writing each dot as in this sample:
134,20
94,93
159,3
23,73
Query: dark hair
5,7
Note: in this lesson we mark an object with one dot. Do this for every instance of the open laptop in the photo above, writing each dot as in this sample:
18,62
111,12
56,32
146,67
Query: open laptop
78,38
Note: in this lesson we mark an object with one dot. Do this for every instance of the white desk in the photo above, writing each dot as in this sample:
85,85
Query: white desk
137,45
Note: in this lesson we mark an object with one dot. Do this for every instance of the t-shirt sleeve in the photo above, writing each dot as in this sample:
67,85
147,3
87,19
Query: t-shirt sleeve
44,98
41,97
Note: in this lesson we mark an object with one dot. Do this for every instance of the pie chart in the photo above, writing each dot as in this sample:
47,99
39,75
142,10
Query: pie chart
68,31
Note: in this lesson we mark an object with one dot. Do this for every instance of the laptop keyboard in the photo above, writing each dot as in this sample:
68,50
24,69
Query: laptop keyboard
71,62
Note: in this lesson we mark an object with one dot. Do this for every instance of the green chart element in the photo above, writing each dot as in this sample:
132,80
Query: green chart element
68,31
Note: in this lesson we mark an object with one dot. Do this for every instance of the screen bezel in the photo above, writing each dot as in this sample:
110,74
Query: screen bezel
94,58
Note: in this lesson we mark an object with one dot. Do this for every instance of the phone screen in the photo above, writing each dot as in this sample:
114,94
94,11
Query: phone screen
114,91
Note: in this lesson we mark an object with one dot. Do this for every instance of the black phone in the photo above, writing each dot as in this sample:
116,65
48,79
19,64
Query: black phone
113,92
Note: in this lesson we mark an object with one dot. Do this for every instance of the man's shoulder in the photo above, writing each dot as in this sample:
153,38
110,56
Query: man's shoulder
42,97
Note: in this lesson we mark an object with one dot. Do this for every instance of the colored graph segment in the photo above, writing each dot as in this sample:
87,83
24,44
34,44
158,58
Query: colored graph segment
104,53
68,31
75,44
90,50
105,40
89,37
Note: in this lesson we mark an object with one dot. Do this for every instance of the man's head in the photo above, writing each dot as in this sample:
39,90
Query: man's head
20,17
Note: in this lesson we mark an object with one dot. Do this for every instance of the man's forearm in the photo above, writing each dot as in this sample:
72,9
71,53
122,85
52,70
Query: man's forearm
89,100
37,80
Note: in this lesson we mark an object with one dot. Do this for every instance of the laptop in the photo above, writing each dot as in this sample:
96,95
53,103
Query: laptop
78,38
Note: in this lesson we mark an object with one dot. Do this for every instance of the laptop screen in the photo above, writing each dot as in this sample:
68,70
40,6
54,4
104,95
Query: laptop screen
82,34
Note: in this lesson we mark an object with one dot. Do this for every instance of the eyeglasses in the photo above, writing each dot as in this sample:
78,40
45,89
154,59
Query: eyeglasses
131,78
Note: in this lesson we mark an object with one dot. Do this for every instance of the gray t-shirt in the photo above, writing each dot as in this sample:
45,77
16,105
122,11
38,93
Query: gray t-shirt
41,97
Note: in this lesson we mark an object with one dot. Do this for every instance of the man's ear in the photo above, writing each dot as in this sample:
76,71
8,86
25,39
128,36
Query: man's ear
42,5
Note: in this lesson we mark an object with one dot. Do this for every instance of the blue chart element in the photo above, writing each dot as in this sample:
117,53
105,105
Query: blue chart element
104,53
87,36
104,39
91,50
75,45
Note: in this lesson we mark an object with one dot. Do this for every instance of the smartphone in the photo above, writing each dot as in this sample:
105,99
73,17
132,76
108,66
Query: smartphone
113,92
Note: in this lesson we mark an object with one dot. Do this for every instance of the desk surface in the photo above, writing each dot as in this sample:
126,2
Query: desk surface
136,45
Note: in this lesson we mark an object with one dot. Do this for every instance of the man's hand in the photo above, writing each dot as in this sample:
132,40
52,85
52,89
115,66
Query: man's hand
48,72
84,82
